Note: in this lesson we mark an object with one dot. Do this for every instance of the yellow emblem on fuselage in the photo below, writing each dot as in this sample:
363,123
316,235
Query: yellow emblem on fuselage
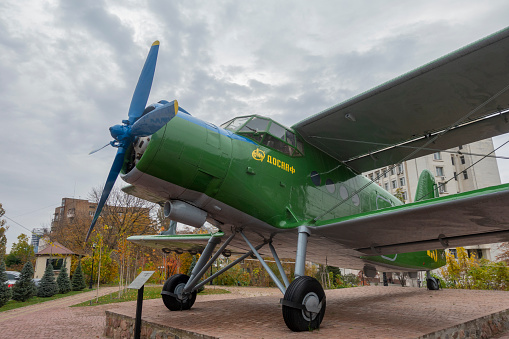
258,154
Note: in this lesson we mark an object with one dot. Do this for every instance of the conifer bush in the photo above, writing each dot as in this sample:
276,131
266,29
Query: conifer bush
24,288
48,286
78,280
63,281
5,292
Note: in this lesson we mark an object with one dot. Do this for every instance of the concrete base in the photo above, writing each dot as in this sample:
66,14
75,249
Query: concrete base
362,312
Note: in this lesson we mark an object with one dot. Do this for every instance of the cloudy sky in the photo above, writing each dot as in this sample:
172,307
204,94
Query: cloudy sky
68,69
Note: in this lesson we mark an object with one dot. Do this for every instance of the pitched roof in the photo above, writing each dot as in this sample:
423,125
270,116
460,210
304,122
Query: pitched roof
55,248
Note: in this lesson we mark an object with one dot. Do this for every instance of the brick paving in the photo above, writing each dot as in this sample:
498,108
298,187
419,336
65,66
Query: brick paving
55,319
363,312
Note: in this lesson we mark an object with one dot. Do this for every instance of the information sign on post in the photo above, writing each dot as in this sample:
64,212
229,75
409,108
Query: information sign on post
138,284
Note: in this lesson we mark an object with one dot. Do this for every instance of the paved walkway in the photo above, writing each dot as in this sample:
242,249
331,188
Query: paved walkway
55,319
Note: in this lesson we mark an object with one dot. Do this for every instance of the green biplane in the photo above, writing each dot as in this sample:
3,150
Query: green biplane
299,191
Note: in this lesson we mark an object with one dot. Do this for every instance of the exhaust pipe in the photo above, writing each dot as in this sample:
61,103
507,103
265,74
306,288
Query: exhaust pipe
184,213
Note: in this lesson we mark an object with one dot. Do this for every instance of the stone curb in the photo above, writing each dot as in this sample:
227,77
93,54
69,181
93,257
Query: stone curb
483,327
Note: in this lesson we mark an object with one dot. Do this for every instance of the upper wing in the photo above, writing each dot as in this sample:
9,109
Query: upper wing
466,90
471,218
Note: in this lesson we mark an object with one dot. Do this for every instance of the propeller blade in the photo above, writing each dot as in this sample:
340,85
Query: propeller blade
142,91
97,150
154,120
110,181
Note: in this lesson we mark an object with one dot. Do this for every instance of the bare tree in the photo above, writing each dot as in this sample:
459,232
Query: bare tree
123,215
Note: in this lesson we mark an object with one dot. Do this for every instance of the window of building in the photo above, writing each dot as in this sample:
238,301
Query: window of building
57,263
440,171
392,171
455,176
462,159
452,160
402,181
460,147
403,195
394,184
385,172
454,252
386,186
370,176
477,253
437,156
400,169
377,176
465,175
442,188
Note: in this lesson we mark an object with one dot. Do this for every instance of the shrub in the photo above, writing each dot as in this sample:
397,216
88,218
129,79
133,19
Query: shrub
78,281
5,292
63,281
24,288
48,286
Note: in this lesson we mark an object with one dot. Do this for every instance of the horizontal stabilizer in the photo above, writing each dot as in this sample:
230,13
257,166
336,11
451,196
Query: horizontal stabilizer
192,243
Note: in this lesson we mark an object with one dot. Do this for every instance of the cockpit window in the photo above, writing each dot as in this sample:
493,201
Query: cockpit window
236,123
277,130
255,125
277,137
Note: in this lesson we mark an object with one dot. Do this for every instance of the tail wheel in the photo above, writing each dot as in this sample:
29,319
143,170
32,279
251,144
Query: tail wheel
304,304
172,295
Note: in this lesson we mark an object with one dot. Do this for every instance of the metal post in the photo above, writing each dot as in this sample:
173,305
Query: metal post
300,260
137,322
92,273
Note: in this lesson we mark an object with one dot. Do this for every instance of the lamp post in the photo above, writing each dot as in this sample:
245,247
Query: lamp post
92,273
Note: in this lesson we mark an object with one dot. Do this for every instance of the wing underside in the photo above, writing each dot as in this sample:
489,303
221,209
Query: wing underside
458,99
472,218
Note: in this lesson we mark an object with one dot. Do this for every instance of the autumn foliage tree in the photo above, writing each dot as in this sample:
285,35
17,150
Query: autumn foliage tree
469,272
3,230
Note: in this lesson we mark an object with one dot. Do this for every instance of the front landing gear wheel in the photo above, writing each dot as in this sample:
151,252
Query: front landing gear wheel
304,304
172,295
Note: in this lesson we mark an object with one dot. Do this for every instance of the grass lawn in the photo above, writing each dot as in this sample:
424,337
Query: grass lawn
150,292
12,304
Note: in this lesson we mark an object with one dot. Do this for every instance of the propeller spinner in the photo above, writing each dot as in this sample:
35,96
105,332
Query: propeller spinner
137,125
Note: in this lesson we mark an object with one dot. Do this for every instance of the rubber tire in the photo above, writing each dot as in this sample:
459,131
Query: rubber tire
296,292
175,304
433,284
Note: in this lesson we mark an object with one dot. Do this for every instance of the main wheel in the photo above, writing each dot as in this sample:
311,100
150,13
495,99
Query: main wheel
433,284
177,301
304,304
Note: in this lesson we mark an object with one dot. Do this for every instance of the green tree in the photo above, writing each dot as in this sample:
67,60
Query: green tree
21,252
3,230
63,281
48,286
5,292
24,288
78,281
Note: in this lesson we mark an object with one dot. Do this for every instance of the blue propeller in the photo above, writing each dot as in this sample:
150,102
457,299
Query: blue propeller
138,125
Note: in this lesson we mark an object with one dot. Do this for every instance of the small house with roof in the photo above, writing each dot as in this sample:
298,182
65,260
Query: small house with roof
56,254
